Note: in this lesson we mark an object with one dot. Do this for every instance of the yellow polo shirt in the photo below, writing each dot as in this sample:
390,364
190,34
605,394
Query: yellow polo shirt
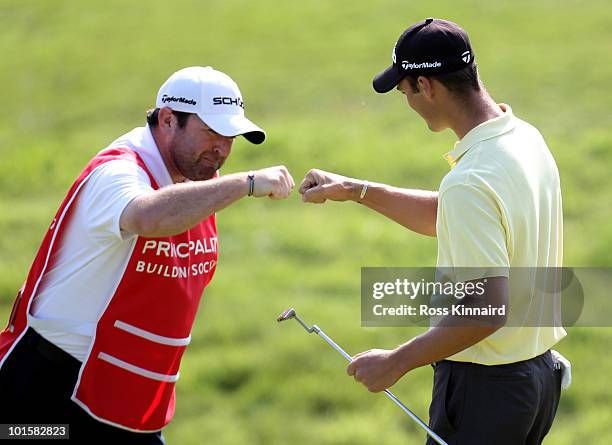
500,207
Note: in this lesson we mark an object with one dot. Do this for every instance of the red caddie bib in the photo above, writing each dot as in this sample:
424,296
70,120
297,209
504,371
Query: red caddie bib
129,374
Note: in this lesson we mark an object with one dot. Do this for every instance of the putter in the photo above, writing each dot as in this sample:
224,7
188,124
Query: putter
291,314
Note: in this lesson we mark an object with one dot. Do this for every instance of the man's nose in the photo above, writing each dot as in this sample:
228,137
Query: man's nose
223,145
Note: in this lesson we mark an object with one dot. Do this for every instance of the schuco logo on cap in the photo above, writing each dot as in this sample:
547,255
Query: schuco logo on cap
228,101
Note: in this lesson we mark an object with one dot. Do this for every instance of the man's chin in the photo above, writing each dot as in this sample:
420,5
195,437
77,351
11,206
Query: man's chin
436,128
202,175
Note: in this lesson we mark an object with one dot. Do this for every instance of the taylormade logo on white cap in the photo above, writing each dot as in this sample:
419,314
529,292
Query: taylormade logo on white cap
168,99
213,96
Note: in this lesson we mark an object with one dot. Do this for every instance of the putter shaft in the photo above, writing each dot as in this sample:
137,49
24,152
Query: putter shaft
290,313
389,394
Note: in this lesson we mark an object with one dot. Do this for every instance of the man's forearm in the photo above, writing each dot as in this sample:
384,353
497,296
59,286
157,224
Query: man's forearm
178,207
414,209
438,344
453,334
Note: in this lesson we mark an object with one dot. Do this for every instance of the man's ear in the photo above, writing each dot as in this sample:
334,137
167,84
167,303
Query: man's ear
426,86
165,118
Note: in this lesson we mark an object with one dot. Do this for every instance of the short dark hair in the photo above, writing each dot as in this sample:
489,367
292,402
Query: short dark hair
460,83
153,117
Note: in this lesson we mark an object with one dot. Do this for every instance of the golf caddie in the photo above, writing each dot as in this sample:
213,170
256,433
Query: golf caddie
497,209
97,331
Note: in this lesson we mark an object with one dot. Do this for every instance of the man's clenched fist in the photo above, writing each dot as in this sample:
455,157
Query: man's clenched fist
376,369
319,186
275,182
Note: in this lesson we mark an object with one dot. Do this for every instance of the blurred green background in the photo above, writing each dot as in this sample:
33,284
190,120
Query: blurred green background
77,74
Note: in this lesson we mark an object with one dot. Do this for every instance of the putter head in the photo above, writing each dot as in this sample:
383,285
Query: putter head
290,314
287,315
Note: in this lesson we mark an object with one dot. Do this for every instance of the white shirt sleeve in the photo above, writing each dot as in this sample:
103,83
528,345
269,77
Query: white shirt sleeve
107,192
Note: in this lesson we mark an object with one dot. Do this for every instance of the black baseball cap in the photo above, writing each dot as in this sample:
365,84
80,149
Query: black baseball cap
430,47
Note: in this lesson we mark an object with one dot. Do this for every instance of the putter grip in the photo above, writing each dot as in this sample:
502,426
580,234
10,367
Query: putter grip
388,393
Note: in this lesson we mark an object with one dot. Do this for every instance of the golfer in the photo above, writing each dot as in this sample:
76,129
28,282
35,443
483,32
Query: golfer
499,207
97,332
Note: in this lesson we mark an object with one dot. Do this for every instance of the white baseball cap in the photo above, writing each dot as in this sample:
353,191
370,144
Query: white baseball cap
214,97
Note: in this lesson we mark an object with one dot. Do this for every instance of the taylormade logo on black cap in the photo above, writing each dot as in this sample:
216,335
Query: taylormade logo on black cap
429,47
414,66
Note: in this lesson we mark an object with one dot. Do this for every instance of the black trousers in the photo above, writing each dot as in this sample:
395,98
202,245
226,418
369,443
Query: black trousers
36,383
513,404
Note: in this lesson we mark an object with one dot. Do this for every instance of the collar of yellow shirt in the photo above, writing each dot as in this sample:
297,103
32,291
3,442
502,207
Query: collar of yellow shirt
487,130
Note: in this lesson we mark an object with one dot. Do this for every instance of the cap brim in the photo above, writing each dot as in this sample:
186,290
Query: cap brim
387,80
234,125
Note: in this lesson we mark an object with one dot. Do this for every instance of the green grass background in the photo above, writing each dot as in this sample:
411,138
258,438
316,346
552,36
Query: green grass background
77,74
